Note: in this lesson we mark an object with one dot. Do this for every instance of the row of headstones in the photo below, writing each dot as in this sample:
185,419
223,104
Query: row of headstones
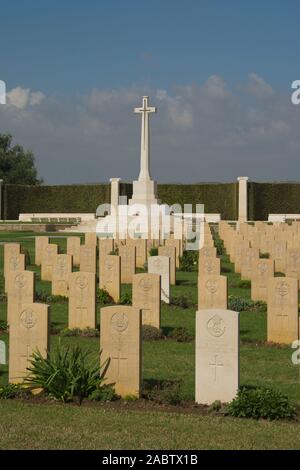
280,293
281,242
212,287
81,289
216,348
113,269
82,299
214,364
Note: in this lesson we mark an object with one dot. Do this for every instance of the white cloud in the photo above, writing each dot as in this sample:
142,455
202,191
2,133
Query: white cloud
178,109
202,132
36,98
257,87
215,87
23,97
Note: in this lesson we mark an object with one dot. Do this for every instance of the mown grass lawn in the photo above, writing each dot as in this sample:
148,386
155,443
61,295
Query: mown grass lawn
42,425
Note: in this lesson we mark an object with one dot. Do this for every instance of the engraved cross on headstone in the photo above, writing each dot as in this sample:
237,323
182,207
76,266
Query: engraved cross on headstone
119,357
216,364
26,355
295,258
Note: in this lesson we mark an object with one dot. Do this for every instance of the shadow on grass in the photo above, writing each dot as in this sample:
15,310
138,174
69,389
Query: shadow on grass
185,282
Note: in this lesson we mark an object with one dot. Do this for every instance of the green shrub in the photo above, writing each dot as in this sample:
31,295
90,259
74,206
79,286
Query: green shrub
56,299
85,332
25,252
239,304
153,251
143,269
103,297
181,335
3,325
67,373
130,398
244,284
151,333
104,393
114,252
9,391
189,261
215,406
219,245
3,297
260,402
264,255
42,296
226,269
125,299
90,332
54,329
182,301
166,392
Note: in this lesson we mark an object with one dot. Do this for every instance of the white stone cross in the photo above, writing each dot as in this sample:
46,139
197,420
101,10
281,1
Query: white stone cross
2,92
145,110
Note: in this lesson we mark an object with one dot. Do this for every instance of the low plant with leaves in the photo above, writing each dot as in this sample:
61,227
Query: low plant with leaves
104,393
189,261
3,326
103,297
260,402
166,392
151,333
181,301
9,391
153,251
219,245
125,299
25,252
67,374
244,284
240,304
85,332
180,334
42,296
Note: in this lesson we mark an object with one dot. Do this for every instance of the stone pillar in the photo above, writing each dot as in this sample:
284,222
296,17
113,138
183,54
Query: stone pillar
114,192
1,191
243,204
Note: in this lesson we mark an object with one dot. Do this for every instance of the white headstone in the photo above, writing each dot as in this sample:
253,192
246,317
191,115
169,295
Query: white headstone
217,355
2,353
161,265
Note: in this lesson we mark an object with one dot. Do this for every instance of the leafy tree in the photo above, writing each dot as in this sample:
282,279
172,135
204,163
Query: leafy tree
17,166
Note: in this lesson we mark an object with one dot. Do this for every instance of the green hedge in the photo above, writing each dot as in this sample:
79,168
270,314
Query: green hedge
219,198
272,198
263,198
216,197
67,198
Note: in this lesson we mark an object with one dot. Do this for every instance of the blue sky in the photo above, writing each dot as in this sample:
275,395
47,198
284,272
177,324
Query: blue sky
57,46
69,63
